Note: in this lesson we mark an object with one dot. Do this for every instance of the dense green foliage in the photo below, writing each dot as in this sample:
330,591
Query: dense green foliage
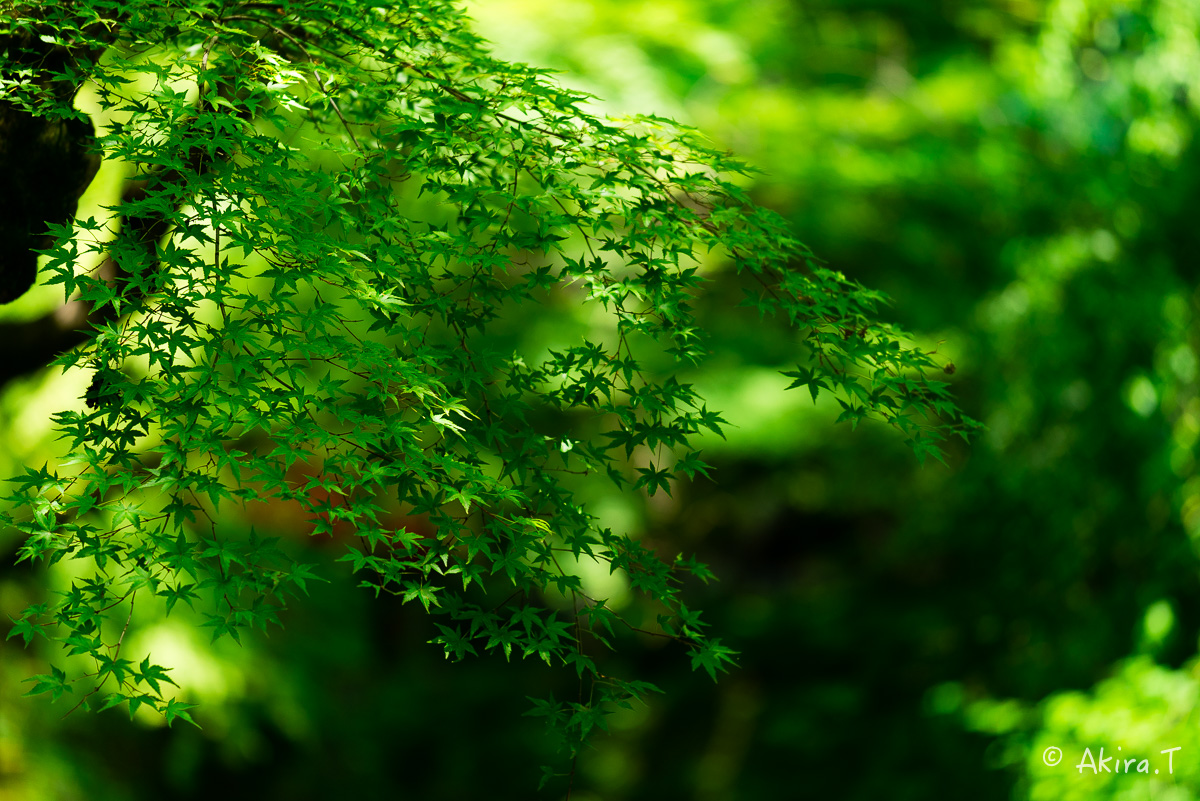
1020,178
349,222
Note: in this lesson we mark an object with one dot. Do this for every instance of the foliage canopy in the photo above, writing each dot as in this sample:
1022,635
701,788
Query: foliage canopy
338,216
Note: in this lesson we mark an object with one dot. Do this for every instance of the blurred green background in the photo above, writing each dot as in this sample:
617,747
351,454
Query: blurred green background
1023,179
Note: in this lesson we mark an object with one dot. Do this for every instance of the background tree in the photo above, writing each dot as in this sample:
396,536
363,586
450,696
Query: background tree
1019,177
314,297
